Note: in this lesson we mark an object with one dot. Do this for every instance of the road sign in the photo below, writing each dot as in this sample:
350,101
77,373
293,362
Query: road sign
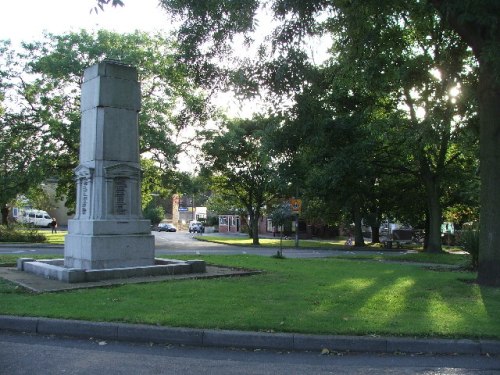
296,205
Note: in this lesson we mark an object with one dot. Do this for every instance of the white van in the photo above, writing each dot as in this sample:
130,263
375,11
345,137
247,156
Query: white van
38,218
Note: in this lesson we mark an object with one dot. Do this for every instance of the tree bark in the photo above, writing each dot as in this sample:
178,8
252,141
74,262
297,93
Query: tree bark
358,231
482,37
5,215
375,234
435,215
489,226
254,227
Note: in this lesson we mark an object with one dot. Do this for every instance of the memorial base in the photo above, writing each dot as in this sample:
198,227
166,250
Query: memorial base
54,269
108,251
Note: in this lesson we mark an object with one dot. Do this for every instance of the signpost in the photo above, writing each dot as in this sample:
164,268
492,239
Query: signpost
296,205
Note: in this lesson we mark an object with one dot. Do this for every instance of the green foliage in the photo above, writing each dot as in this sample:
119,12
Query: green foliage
17,233
281,214
42,131
39,198
154,213
469,239
241,165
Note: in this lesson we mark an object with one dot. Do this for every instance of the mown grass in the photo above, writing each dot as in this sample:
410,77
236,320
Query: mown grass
272,242
56,238
317,244
322,296
418,257
450,255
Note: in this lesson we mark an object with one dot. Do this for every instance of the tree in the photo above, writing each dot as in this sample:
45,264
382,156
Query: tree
412,62
476,21
19,168
242,167
154,213
45,84
281,215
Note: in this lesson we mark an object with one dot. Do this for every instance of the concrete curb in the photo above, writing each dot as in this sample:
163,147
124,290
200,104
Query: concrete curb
244,340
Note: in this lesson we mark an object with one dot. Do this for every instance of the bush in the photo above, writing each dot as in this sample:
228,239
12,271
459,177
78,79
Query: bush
155,214
20,234
469,239
212,221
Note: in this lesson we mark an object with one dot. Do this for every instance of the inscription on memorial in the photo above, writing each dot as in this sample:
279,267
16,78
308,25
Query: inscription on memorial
85,195
120,195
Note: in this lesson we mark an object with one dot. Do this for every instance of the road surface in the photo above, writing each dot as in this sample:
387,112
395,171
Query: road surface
22,354
168,243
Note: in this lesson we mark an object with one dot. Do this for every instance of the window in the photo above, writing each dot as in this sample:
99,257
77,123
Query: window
270,227
222,220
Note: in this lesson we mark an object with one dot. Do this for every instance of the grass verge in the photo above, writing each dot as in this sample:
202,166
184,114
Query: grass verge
55,238
321,296
316,244
272,242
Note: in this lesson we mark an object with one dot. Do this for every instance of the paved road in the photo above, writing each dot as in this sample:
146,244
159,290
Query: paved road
185,243
25,354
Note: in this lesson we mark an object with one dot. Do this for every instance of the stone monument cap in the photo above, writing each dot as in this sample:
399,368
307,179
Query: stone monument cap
111,68
111,84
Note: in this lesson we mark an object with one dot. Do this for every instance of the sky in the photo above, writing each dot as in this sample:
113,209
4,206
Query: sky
26,20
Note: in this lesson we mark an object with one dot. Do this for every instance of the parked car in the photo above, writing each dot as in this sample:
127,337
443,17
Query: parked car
196,227
166,227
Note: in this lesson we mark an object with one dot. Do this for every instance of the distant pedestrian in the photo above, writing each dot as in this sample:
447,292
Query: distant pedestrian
53,225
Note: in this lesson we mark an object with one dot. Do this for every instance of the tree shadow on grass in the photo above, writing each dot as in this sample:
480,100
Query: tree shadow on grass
406,300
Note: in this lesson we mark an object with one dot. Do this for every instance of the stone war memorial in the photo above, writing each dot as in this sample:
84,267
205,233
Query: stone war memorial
108,237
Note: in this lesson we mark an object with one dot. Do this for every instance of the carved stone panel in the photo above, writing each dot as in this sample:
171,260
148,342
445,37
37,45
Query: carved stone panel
121,196
122,185
84,183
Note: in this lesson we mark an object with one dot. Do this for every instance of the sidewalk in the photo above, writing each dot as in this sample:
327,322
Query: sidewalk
245,340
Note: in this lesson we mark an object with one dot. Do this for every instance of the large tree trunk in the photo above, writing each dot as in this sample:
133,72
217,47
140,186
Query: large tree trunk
5,215
489,118
254,227
481,36
375,233
358,231
434,244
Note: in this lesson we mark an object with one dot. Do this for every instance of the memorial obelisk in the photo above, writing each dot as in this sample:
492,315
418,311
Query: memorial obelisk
108,230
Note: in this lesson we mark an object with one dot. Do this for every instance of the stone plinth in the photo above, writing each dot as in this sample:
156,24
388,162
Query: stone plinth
108,230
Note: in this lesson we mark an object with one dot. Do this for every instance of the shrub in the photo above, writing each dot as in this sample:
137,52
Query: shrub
155,214
20,234
469,239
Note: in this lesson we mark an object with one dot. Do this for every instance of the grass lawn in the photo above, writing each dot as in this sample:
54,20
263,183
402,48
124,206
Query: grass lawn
272,242
290,243
55,238
449,256
323,296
